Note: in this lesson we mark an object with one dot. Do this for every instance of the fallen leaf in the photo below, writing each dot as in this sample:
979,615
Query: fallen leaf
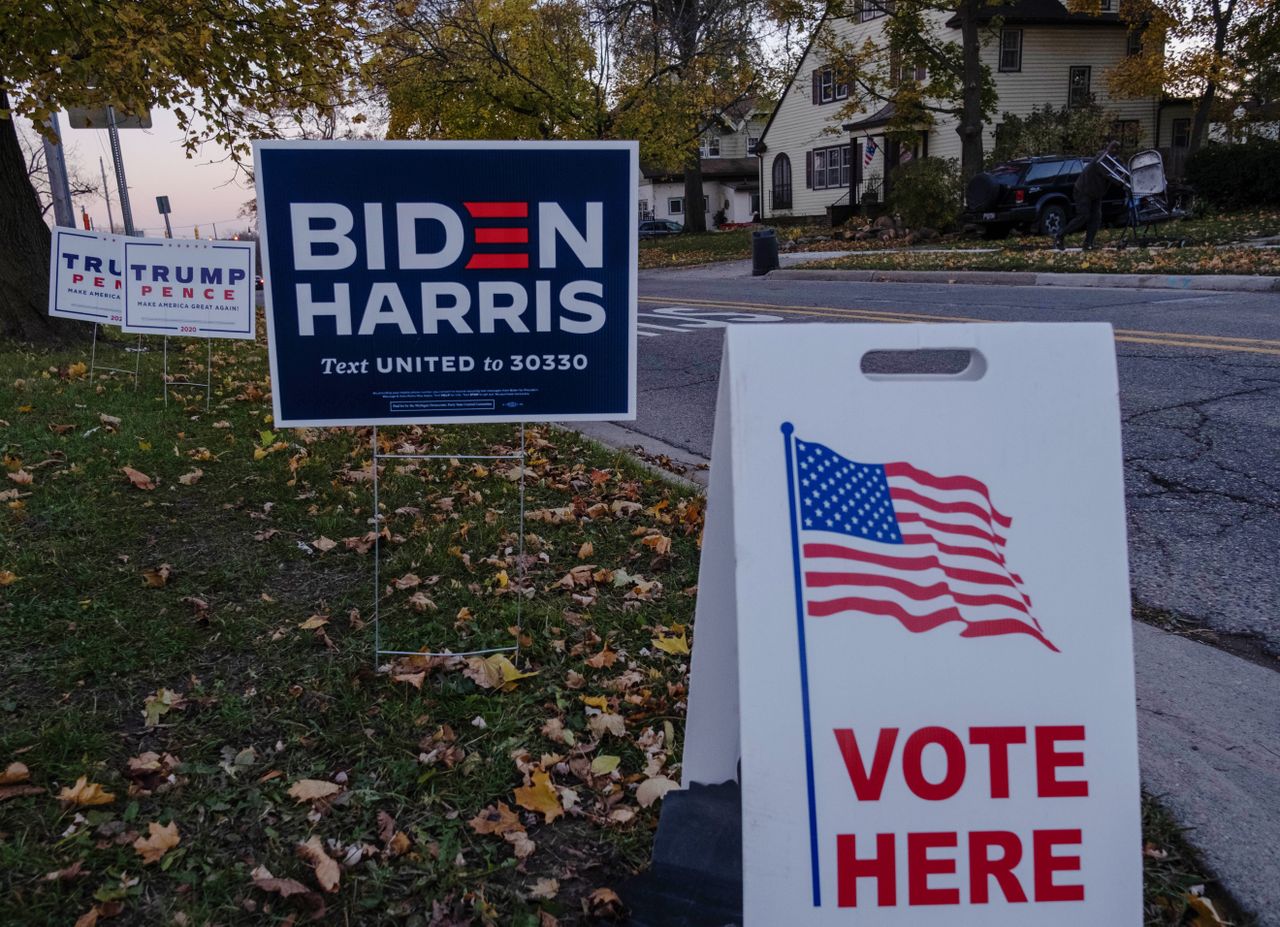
585,552
265,881
75,870
603,902
138,478
604,764
14,773
85,793
541,797
326,868
156,706
313,789
110,421
408,581
190,479
1206,913
496,819
87,919
315,621
324,544
653,789
544,889
673,644
77,371
521,843
159,841
22,477
19,791
157,577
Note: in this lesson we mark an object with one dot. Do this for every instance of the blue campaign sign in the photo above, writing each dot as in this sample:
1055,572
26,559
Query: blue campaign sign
418,282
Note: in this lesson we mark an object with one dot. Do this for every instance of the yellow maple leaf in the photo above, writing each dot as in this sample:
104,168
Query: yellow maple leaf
541,797
160,841
671,643
85,792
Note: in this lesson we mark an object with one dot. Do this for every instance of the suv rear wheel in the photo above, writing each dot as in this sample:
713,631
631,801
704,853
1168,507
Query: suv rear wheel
1053,219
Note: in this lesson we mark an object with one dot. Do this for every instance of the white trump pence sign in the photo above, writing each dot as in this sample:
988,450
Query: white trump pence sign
913,628
193,289
86,276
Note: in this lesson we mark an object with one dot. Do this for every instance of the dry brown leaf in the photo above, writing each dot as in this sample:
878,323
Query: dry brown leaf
414,679
544,889
75,870
605,658
85,792
21,477
399,844
8,578
157,577
653,789
603,902
521,843
313,790
408,581
19,791
496,819
88,918
540,796
421,602
326,868
15,772
110,421
159,841
265,881
585,552
315,621
190,479
324,544
138,478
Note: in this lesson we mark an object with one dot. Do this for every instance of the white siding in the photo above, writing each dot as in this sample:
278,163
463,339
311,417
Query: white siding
1048,53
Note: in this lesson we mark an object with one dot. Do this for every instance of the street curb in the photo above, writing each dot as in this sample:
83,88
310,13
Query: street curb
1220,283
615,437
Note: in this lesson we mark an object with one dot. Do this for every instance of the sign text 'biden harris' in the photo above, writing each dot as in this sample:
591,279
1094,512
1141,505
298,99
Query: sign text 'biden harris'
449,281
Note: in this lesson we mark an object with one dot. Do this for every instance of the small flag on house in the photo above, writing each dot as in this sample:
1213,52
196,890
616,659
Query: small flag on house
870,152
905,156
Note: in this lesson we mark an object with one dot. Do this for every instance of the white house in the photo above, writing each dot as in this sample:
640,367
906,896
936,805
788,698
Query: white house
812,159
730,172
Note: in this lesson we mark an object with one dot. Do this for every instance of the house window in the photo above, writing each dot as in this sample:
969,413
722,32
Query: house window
675,205
644,210
1078,86
1133,45
752,141
873,9
898,75
830,167
781,182
1010,49
709,147
755,204
1182,133
1128,132
826,88
1109,6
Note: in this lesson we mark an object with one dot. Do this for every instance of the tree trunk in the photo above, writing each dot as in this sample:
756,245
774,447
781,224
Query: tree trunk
695,217
24,252
970,126
1200,124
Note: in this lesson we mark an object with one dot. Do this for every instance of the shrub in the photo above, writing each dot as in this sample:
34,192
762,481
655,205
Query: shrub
1236,176
926,192
1049,131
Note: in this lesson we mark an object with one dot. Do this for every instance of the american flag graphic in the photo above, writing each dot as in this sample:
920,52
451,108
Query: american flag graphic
869,152
893,540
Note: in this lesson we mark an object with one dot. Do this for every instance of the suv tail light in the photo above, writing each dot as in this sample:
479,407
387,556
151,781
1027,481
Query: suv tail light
1019,196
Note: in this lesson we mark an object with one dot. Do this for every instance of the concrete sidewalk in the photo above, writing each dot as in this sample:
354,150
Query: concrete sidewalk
1208,734
1222,283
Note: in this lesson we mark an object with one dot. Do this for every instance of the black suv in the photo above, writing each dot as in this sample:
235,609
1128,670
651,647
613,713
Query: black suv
1033,194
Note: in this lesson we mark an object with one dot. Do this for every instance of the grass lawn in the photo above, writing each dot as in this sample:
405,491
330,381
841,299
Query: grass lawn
1209,239
193,730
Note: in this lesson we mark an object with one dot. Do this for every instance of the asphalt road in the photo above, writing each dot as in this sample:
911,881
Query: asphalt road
1200,400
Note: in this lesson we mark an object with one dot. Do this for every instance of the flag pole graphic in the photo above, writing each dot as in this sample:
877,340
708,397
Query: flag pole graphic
787,431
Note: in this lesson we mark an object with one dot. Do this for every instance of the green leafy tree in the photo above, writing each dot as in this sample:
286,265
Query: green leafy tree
917,65
1204,49
215,63
1065,130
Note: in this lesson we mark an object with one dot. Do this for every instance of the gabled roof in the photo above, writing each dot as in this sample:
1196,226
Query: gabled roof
1041,13
712,169
877,119
760,148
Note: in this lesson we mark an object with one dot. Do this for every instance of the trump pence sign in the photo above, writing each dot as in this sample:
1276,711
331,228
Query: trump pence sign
449,281
913,628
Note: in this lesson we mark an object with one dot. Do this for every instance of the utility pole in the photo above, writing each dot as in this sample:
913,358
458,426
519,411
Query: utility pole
117,161
59,188
106,192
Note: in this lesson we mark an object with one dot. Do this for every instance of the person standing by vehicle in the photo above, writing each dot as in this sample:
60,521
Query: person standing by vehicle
1091,187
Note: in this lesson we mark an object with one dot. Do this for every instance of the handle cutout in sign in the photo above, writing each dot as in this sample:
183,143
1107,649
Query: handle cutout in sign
964,364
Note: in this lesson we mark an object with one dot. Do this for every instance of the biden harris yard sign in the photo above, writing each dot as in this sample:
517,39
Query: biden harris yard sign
449,281
913,628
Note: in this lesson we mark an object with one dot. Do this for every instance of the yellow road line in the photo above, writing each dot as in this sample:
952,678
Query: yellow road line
1129,336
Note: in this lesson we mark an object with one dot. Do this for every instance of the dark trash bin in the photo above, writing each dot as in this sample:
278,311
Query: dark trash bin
764,252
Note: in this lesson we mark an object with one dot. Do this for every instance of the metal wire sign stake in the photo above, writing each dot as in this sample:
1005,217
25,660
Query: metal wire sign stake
521,568
208,374
94,367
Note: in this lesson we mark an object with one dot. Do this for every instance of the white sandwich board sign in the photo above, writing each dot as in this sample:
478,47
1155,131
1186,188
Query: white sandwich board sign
913,629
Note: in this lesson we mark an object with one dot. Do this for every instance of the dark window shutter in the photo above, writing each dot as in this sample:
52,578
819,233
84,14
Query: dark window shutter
816,91
808,170
856,154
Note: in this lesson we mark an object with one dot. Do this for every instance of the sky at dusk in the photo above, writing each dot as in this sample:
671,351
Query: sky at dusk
203,191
